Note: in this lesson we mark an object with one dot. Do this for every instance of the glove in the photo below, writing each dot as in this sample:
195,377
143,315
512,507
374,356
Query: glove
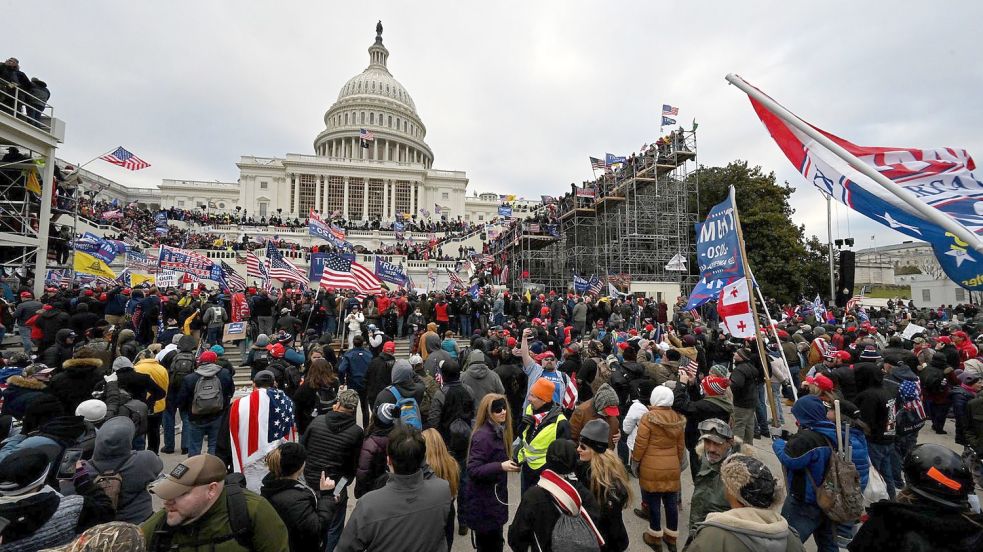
633,466
527,419
111,378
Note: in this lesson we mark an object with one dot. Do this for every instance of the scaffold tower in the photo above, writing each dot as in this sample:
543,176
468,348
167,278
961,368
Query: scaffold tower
29,137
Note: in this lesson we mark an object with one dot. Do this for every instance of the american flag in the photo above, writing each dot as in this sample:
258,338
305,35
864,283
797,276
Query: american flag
596,163
503,277
344,274
365,135
258,423
856,299
456,280
282,269
669,110
594,285
125,159
256,267
232,278
910,392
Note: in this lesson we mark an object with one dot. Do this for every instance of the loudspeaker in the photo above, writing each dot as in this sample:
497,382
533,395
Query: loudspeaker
844,284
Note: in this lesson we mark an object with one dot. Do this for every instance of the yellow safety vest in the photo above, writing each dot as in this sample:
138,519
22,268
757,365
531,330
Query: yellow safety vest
533,453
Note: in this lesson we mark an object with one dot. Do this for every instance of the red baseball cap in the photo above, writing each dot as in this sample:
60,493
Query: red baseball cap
389,347
543,356
944,339
845,356
821,381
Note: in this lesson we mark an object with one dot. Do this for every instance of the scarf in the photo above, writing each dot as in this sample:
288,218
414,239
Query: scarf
567,499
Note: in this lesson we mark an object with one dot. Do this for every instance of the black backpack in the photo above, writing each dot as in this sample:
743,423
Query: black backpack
182,364
240,524
326,397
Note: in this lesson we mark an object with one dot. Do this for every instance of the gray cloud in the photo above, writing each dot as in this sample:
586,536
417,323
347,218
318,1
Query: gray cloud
518,94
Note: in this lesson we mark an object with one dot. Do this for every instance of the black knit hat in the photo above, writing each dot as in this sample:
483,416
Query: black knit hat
292,457
561,456
41,409
25,469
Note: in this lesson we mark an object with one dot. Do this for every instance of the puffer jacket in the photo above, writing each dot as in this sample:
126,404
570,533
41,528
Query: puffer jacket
484,500
586,412
479,379
158,374
659,450
20,392
371,461
333,442
75,383
306,513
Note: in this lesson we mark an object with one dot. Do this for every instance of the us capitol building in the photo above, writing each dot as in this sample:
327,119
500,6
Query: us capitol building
393,175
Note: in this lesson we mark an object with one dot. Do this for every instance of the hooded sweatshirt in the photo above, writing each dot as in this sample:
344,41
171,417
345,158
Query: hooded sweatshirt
186,393
114,452
434,353
76,381
405,382
740,529
479,379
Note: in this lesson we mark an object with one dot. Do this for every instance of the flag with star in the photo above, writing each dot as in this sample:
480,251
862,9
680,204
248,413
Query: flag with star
258,423
939,180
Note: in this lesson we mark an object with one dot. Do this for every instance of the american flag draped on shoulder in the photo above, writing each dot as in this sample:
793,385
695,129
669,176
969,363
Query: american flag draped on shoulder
282,269
340,273
258,423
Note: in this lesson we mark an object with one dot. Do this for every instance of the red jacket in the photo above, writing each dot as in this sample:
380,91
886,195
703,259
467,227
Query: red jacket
440,312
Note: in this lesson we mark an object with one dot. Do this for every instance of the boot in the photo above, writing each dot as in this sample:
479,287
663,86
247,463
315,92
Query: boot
653,539
670,539
642,512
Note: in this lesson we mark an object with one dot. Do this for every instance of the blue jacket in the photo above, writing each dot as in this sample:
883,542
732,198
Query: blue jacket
116,303
809,449
353,366
186,393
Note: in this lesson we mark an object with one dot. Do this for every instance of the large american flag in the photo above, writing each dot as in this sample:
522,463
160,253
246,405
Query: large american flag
596,163
125,159
340,273
256,267
282,269
258,423
232,278
365,135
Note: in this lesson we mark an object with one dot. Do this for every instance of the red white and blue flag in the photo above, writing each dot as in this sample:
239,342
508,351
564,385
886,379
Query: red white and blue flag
282,269
258,423
670,110
340,273
125,159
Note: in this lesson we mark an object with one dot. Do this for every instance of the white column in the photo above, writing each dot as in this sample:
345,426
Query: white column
295,179
413,198
319,199
344,199
392,199
365,199
375,150
385,199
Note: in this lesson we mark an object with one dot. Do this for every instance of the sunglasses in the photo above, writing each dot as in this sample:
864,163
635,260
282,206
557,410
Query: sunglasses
582,446
497,409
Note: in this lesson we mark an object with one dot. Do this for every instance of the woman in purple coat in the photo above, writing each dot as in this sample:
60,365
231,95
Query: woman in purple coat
485,499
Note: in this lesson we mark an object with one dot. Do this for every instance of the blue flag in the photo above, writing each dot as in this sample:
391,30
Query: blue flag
580,284
505,211
389,272
473,291
611,159
666,121
718,253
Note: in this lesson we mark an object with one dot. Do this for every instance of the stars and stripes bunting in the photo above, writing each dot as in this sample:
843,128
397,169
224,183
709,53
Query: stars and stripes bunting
341,273
670,110
123,158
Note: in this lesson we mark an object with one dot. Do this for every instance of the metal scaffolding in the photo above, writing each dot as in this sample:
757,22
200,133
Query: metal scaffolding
29,136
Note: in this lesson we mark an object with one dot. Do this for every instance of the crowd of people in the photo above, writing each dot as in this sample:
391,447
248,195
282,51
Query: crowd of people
575,395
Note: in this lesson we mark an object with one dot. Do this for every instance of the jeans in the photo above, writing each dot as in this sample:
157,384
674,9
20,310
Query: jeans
465,325
337,523
937,413
25,339
884,457
808,520
214,335
330,324
655,502
265,324
201,430
169,422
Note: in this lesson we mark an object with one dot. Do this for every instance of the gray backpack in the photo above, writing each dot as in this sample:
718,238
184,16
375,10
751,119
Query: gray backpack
208,397
572,534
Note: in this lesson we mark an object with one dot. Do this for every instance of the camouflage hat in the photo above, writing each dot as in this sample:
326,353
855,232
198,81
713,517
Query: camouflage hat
751,482
115,536
348,399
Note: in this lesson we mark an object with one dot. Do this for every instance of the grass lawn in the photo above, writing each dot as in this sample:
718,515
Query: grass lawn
890,292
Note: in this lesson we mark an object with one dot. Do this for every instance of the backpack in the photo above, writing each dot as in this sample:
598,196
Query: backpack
409,410
111,482
182,365
572,534
207,398
459,436
326,397
136,410
261,360
240,524
218,313
840,496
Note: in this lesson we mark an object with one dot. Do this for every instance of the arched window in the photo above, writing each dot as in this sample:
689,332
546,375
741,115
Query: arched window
362,118
346,118
371,118
390,121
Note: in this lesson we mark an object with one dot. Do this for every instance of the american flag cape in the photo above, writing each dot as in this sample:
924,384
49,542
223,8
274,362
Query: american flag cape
258,423
910,392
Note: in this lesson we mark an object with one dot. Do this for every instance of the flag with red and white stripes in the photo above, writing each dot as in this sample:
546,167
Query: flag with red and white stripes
340,273
256,267
258,423
282,269
125,159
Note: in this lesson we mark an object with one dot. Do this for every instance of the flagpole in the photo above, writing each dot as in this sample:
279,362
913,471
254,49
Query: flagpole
749,280
929,212
774,331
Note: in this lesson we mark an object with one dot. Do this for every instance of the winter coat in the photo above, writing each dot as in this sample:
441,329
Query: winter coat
479,379
876,404
158,374
744,381
584,413
353,367
916,527
409,385
746,530
306,401
408,514
379,375
186,394
114,451
698,411
659,450
537,514
452,402
960,398
484,500
371,461
333,442
20,392
60,351
306,513
75,383
140,386
609,522
269,531
49,322
708,489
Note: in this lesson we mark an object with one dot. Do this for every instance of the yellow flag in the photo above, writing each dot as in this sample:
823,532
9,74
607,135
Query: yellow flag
33,183
137,279
528,297
510,197
87,264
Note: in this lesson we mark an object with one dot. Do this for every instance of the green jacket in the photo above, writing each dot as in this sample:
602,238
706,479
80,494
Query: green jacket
745,529
269,532
708,489
974,424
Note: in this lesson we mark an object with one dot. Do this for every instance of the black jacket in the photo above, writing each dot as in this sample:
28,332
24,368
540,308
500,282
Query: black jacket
876,404
49,322
333,442
744,381
379,375
909,527
306,401
609,523
845,379
76,382
698,411
536,516
306,513
140,386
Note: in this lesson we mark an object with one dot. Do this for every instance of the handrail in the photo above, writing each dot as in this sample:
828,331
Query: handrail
11,104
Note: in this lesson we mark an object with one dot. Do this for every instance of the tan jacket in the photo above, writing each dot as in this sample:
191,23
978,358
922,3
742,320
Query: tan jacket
659,449
585,413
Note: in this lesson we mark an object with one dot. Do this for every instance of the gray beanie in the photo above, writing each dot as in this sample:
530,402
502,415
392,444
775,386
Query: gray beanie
595,435
262,340
122,362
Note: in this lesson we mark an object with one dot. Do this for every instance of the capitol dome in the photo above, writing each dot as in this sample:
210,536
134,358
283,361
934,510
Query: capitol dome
374,101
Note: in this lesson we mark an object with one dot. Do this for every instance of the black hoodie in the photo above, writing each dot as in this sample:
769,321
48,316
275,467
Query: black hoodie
876,404
306,513
76,382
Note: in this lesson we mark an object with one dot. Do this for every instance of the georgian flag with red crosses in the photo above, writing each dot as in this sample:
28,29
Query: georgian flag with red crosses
735,309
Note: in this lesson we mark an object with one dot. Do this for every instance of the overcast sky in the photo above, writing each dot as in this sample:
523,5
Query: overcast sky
518,94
